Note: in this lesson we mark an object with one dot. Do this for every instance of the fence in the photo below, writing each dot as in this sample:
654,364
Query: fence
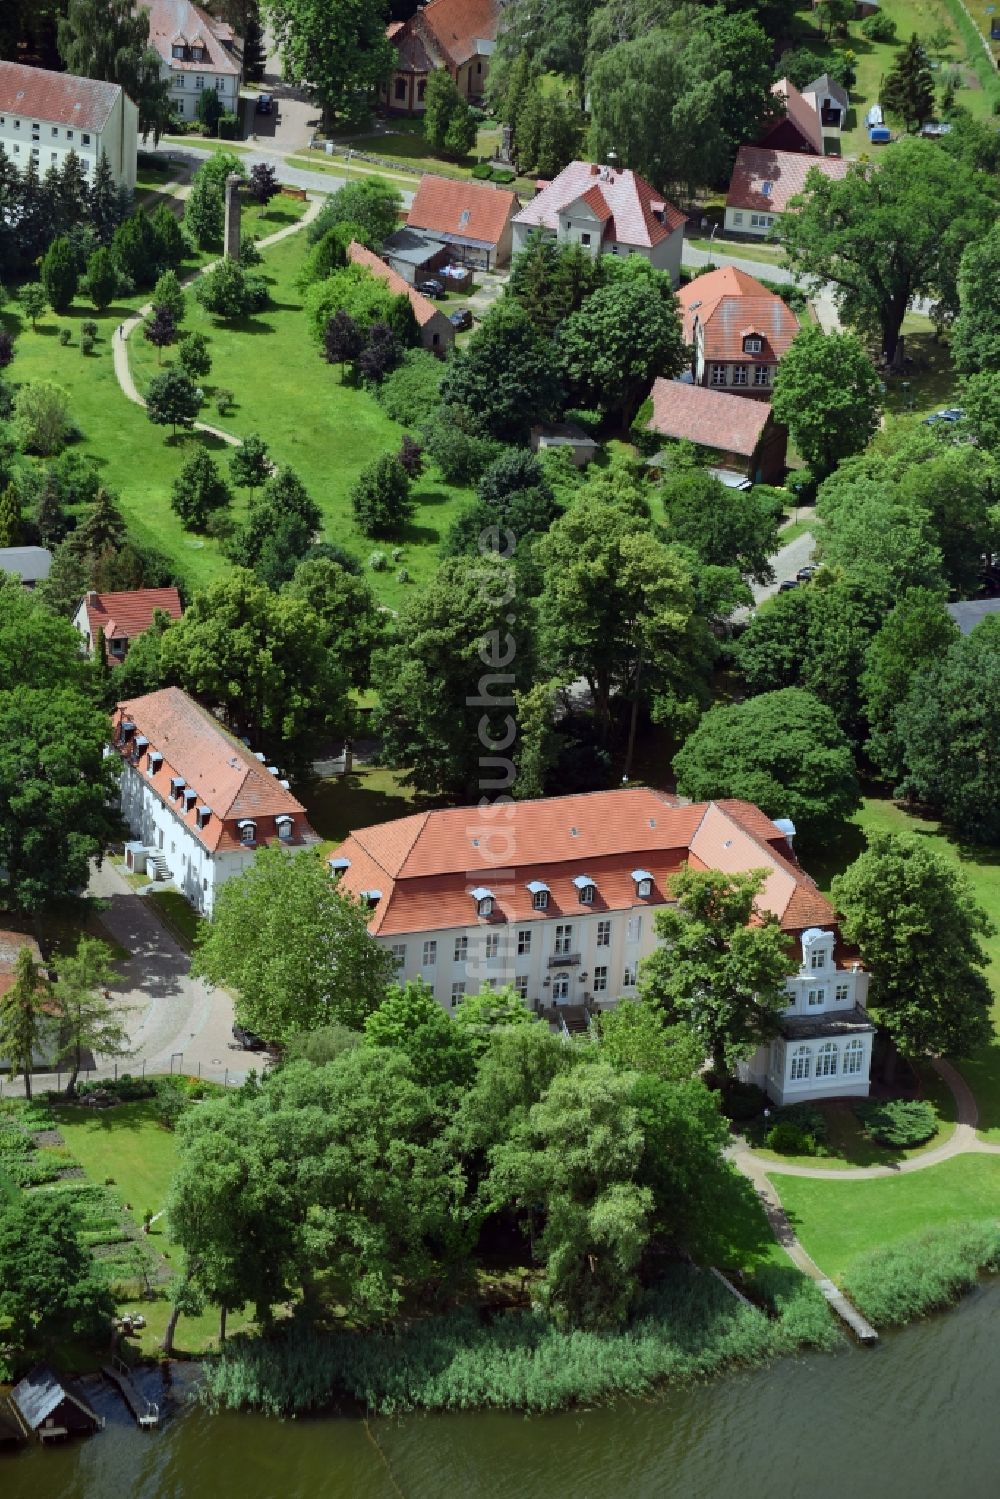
42,1082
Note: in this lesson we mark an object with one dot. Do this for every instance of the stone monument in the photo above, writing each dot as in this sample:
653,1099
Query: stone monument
232,236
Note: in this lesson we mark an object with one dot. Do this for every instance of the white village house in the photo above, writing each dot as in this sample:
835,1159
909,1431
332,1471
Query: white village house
199,803
558,899
197,52
46,115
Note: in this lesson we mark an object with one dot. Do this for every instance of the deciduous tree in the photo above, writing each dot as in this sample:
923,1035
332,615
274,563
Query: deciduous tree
109,39
294,947
506,377
369,206
916,633
975,335
343,53
250,464
381,499
199,491
172,400
160,330
52,1290
353,623
625,334
827,394
102,279
88,1019
23,1014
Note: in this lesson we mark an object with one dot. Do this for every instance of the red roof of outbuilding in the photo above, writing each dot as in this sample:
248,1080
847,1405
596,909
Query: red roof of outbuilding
709,418
622,200
423,308
765,180
426,866
800,113
62,98
457,25
119,616
470,210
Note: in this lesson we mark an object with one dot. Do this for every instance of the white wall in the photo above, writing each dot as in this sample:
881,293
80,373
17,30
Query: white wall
574,226
747,221
51,143
195,871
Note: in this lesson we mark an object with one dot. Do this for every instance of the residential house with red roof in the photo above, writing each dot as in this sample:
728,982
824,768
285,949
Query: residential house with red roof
118,618
472,218
436,331
606,212
738,436
798,127
764,181
45,115
197,52
198,801
738,331
559,900
459,35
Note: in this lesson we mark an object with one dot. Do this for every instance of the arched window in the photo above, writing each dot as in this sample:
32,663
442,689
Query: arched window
826,1060
854,1056
801,1063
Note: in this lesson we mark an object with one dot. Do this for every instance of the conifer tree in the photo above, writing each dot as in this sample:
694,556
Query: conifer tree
908,90
21,1014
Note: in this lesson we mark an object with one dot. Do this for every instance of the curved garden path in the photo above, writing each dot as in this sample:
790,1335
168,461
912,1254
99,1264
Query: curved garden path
119,339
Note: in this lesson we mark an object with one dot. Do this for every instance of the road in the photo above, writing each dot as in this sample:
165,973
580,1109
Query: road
286,173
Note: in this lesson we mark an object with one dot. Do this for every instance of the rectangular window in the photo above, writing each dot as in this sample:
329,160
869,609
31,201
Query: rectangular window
457,993
69,135
430,955
628,977
540,900
564,939
17,124
800,1064
841,993
752,346
739,374
461,949
492,944
199,83
85,139
560,987
826,1061
853,1058
738,217
521,986
816,997
604,934
817,958
600,980
400,89
762,374
633,930
399,954
53,157
585,239
718,374
55,132
523,943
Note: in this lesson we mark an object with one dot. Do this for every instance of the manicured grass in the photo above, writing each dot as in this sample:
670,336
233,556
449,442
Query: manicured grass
340,804
794,530
981,865
839,1220
324,429
177,914
127,1144
744,249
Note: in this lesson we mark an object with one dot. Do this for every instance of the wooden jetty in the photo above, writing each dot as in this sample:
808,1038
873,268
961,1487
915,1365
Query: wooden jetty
146,1412
862,1330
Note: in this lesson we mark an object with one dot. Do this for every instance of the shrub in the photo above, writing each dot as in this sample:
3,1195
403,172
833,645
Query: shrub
88,328
225,400
41,417
65,334
891,1286
411,393
87,342
377,562
503,175
788,1139
402,576
171,1100
805,1117
743,1101
899,1122
483,171
879,28
461,456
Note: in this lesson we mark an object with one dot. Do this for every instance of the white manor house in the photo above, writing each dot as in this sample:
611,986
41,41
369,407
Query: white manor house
557,898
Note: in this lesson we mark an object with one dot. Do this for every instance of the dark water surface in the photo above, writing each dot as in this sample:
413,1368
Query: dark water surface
916,1418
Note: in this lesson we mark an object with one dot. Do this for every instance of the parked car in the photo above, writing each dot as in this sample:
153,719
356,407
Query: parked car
460,319
787,584
432,288
247,1040
264,105
805,574
947,414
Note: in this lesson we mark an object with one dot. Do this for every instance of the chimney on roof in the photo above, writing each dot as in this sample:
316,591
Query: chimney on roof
91,596
595,170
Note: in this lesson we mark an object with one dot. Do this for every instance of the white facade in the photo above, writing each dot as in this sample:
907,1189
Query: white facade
747,221
573,958
196,53
177,852
26,137
580,225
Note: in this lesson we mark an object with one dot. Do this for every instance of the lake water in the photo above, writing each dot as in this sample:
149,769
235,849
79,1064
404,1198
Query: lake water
916,1418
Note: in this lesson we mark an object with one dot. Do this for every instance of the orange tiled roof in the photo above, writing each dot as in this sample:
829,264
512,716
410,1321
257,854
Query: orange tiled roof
170,20
224,775
800,113
126,615
632,211
729,304
423,308
425,866
62,98
766,180
468,210
709,418
457,25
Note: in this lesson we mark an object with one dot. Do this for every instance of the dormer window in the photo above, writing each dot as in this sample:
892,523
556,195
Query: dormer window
371,898
643,881
126,729
248,830
484,900
752,345
539,895
177,51
190,797
284,826
177,784
202,815
586,889
339,867
153,761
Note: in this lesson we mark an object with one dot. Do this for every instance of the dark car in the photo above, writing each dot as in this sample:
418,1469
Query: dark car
247,1040
805,574
264,105
949,414
433,288
787,584
460,319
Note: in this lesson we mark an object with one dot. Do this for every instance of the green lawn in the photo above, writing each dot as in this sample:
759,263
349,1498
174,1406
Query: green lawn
339,805
847,1145
326,430
746,249
127,1144
931,383
839,1220
982,868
